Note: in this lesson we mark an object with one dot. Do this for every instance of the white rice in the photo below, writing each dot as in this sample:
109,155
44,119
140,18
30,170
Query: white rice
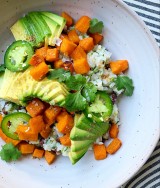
51,143
98,57
115,115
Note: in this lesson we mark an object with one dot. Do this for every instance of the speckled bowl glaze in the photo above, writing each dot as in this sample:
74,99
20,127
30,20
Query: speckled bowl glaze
127,38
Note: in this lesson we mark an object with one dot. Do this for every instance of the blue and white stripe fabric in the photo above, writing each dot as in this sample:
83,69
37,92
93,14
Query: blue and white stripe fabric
149,174
149,11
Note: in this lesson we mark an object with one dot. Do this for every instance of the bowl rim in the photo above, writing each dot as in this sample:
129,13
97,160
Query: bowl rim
156,49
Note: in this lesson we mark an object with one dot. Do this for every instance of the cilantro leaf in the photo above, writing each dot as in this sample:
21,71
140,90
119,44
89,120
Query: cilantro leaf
124,82
75,102
60,74
2,68
75,82
9,153
96,26
89,92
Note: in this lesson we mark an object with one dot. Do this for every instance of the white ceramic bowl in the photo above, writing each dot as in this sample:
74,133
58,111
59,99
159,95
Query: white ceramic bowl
128,38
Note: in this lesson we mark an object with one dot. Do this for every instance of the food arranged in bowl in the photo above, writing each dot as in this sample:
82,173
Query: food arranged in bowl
59,89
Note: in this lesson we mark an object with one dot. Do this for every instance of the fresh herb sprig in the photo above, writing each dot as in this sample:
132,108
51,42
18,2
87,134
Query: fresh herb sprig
96,26
9,153
124,82
81,91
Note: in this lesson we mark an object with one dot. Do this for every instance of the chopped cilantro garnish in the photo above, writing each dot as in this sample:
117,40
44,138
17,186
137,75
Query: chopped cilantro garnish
9,153
124,82
96,26
60,74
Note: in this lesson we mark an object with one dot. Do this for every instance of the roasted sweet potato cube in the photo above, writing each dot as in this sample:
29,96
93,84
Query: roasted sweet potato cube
50,114
37,124
65,124
25,133
87,44
52,55
50,157
81,66
46,132
38,72
38,153
69,19
67,46
65,140
35,107
26,148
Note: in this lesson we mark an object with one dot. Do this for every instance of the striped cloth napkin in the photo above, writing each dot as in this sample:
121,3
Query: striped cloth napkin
149,175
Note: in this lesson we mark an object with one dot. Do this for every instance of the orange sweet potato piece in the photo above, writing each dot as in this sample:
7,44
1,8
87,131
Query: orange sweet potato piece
73,36
58,64
26,148
38,153
65,124
83,24
87,44
7,139
99,151
65,140
36,59
39,71
78,53
37,124
49,156
113,131
97,38
52,55
46,132
61,115
50,114
67,46
35,107
114,146
1,117
26,133
81,66
119,66
69,20
42,52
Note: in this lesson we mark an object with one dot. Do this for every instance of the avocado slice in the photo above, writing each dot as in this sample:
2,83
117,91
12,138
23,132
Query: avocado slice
79,145
1,79
21,31
79,134
85,124
8,77
83,135
35,28
54,27
58,19
16,82
20,87
40,23
76,156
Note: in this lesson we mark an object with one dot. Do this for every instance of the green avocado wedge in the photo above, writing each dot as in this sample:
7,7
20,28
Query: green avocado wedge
83,135
19,87
38,28
21,31
54,27
58,19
